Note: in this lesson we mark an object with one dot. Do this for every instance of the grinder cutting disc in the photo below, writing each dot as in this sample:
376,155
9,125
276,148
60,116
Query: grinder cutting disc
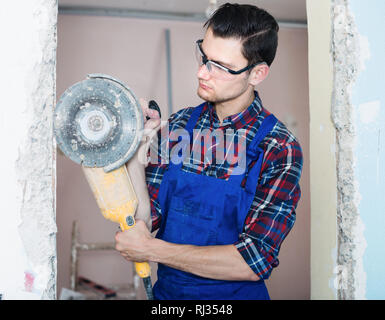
98,122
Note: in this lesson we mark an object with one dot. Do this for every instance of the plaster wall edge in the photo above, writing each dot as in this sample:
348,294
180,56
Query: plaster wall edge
36,163
345,49
323,182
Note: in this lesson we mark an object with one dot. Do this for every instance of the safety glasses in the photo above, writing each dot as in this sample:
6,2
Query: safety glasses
216,69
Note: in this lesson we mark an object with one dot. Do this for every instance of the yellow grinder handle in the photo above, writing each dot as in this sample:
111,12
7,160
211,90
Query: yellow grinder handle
142,268
116,198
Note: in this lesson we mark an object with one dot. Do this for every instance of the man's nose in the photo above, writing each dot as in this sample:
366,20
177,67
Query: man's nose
203,72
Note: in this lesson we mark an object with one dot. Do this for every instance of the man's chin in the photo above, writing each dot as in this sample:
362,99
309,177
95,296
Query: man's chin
204,95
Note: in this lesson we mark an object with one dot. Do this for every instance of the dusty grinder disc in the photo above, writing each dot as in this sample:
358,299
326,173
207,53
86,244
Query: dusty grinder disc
98,122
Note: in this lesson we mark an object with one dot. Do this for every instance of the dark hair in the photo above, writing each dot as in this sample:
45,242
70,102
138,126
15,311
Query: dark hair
254,26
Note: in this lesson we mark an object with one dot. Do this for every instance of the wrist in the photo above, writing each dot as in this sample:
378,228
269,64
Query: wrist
155,249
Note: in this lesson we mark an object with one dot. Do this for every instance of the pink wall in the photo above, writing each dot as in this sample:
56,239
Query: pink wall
133,50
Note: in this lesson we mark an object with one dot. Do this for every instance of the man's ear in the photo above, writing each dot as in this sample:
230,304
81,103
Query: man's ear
258,74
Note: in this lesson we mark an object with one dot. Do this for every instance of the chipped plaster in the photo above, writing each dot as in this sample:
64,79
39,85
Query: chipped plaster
345,49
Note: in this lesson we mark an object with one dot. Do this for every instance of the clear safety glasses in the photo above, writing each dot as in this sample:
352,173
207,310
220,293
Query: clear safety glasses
216,69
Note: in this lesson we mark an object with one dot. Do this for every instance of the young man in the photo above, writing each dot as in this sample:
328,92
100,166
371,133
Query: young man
220,230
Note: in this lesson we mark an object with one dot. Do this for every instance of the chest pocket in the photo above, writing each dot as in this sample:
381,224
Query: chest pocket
191,222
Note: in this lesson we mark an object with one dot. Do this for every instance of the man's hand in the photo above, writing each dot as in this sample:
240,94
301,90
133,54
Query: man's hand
222,262
151,127
133,244
154,116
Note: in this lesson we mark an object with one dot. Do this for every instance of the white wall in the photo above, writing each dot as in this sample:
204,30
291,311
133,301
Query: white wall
27,184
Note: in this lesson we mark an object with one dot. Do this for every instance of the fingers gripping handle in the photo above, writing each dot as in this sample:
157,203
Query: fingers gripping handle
142,268
153,105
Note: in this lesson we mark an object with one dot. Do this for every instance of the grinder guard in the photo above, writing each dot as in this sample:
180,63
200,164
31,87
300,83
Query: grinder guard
98,122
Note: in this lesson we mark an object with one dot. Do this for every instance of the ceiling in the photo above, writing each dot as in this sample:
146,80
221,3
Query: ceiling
282,10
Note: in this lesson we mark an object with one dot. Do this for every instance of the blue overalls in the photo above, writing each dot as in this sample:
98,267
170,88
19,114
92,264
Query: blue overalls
203,210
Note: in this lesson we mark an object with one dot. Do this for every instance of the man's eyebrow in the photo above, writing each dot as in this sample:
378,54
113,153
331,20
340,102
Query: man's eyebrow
225,64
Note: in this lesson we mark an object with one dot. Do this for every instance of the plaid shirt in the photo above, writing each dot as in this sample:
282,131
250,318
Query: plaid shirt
272,213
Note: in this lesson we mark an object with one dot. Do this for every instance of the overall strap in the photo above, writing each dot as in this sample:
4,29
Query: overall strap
194,118
175,159
253,153
257,154
267,125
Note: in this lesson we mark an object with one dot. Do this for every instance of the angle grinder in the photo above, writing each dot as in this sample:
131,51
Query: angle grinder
98,123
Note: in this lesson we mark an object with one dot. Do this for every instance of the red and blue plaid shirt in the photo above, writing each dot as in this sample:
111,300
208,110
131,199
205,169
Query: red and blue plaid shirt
272,213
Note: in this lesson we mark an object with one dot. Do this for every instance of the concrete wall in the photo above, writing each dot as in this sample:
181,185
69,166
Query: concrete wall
346,92
134,51
27,221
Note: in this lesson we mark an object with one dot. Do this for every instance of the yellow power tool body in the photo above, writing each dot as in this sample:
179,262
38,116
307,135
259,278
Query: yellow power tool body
115,196
98,123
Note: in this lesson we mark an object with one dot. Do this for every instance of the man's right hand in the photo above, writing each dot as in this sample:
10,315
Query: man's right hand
151,127
154,116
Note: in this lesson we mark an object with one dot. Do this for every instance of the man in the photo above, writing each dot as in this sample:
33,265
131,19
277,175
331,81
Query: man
220,230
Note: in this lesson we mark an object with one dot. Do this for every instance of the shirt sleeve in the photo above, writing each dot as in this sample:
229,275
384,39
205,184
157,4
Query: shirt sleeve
272,213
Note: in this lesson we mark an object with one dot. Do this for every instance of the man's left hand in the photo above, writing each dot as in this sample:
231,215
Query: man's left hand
133,244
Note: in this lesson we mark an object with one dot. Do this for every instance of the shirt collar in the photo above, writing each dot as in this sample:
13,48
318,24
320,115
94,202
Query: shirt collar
240,119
